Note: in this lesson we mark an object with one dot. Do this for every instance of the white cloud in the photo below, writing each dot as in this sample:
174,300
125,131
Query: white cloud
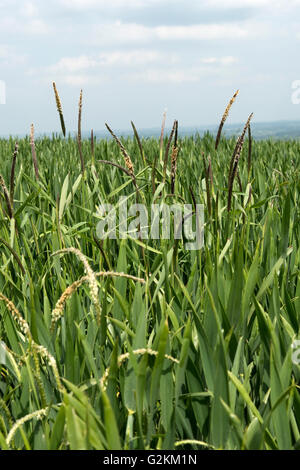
134,58
4,51
72,79
29,10
116,58
79,80
17,24
98,68
227,60
9,57
36,26
168,76
142,4
223,4
150,66
124,33
72,64
22,18
201,32
103,4
209,60
183,74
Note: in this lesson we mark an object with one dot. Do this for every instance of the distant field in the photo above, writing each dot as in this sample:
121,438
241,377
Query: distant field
184,349
279,130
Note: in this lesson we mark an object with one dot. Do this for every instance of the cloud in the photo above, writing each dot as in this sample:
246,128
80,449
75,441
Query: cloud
80,80
227,60
83,78
176,76
11,24
200,32
251,3
9,57
205,4
103,4
207,47
97,68
124,33
150,12
5,51
151,66
132,58
115,58
29,10
22,18
185,73
72,64
128,7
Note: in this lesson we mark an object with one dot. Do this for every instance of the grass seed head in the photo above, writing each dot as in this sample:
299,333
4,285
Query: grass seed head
235,160
23,325
33,152
224,117
59,109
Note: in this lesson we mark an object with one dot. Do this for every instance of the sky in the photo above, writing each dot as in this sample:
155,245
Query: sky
134,59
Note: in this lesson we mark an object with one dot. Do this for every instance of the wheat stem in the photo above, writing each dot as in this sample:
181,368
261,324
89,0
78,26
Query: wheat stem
59,109
174,156
139,142
33,152
224,117
12,174
235,160
79,133
7,197
163,125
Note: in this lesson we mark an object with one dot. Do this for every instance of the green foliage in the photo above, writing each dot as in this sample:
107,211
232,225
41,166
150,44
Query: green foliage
197,356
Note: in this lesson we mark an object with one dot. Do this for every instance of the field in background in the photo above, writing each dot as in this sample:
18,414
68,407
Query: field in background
182,349
282,130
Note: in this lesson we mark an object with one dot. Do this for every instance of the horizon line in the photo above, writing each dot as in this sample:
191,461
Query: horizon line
157,128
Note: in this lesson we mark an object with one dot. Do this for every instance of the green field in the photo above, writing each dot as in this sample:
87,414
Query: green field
181,350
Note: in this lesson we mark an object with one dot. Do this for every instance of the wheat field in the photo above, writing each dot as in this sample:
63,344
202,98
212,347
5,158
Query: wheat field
142,344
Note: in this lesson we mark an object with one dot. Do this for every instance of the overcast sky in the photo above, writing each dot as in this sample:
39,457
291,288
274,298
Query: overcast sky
136,58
